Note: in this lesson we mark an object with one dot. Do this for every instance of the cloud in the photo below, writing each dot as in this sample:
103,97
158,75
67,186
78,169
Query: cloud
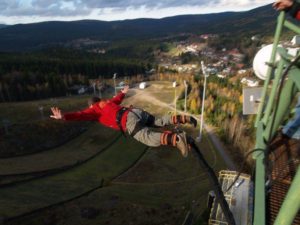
84,7
41,10
141,3
8,4
166,3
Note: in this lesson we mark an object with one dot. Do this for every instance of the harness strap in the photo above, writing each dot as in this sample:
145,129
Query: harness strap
119,116
136,129
145,119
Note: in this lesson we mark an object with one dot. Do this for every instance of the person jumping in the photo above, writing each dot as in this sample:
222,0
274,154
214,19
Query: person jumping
136,122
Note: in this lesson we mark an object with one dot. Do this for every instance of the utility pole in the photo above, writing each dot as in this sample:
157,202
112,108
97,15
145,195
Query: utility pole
41,109
99,86
175,101
203,100
94,87
114,78
185,94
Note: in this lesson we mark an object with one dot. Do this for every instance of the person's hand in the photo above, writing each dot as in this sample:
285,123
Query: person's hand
56,113
283,4
125,89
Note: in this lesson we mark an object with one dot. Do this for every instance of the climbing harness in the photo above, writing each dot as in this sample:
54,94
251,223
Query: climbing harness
119,116
146,119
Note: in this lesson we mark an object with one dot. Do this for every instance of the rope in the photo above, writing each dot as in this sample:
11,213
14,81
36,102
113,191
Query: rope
159,183
10,219
62,169
242,167
175,181
214,151
215,183
86,193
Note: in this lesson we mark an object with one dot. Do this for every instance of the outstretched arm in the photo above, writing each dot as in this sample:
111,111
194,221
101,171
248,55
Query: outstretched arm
56,113
87,114
125,89
119,98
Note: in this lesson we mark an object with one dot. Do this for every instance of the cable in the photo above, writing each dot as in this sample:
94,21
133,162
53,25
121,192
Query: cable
242,166
214,182
159,183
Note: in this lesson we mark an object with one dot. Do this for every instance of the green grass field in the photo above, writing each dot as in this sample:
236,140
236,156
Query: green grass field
162,185
23,112
79,149
159,188
39,193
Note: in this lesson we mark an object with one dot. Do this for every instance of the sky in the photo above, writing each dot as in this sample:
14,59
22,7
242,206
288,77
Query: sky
31,11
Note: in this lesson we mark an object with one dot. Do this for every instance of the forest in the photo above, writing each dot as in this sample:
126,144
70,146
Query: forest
51,73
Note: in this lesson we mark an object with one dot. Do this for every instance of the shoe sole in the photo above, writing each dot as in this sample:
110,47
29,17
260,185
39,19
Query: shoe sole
185,154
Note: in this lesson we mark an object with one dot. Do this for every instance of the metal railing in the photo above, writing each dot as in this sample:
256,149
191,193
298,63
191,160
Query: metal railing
278,94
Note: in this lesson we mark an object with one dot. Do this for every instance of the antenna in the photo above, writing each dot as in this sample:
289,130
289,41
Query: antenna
251,99
260,62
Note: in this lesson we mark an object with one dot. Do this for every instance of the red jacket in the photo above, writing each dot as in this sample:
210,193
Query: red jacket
104,112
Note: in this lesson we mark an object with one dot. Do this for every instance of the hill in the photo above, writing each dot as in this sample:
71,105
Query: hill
140,187
38,35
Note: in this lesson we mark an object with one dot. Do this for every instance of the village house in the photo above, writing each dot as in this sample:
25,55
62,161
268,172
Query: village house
250,82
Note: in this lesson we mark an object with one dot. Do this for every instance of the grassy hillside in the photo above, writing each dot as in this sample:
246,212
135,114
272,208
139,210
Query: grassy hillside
158,188
71,153
39,193
23,125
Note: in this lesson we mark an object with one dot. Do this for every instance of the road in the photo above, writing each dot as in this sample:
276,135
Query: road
219,147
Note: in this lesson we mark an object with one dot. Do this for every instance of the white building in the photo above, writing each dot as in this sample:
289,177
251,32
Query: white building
249,82
242,71
142,85
296,40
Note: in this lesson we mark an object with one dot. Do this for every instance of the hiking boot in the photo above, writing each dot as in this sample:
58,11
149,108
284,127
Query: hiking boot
182,119
182,145
191,120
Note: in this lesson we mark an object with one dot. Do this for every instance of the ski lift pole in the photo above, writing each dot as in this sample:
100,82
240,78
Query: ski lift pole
114,78
41,109
99,86
94,87
175,101
203,99
185,95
